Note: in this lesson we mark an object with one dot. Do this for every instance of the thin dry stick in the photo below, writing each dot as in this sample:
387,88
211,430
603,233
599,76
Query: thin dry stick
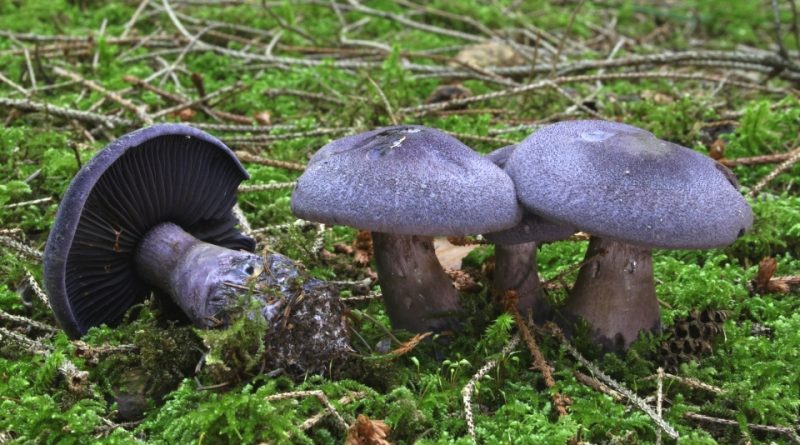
510,303
134,18
285,136
31,71
636,400
312,393
28,344
250,188
319,241
690,382
251,158
489,139
274,92
385,101
576,102
21,248
68,113
597,385
411,23
24,321
469,389
783,430
37,290
28,203
316,418
659,401
100,34
773,158
794,157
138,111
547,83
197,102
278,227
359,298
14,85
242,218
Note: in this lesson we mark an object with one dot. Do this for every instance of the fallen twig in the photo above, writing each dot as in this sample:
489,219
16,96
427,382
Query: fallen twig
68,113
138,111
247,157
560,402
633,398
469,389
329,408
250,188
794,157
547,83
782,430
21,248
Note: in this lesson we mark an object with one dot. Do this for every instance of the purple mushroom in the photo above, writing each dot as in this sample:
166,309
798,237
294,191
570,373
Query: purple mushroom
407,184
515,253
632,192
150,213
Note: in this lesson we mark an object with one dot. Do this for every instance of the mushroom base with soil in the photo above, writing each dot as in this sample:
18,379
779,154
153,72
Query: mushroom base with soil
307,328
419,296
201,278
515,269
615,293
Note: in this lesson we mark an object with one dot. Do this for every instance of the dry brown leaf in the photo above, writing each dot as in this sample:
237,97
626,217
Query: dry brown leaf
363,248
263,117
489,54
410,344
446,93
366,431
185,114
463,281
717,149
766,269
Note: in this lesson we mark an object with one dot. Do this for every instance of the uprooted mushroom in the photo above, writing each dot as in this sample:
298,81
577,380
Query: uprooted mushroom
152,214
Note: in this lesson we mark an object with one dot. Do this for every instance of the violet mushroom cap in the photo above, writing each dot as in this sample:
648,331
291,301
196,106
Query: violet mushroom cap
632,192
515,253
407,184
161,174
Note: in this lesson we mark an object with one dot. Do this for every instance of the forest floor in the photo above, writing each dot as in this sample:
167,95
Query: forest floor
276,80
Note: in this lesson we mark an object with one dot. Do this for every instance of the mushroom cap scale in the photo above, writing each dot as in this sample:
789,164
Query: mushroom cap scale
163,173
621,182
405,180
532,227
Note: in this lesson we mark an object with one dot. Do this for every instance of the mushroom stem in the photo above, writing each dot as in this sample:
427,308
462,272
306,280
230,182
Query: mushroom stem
515,269
200,277
417,293
615,293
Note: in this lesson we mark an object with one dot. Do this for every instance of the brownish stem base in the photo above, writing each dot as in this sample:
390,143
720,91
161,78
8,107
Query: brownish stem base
615,293
417,293
515,269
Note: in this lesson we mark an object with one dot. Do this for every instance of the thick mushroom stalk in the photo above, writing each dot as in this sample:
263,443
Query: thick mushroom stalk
615,293
515,269
203,279
417,293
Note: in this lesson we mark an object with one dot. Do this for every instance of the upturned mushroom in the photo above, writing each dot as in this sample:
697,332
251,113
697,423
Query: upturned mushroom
407,184
515,253
632,192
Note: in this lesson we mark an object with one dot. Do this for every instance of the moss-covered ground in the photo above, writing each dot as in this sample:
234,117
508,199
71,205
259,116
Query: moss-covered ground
318,70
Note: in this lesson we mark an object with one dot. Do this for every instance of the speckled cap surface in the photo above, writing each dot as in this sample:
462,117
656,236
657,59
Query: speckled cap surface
163,173
621,182
407,180
532,227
